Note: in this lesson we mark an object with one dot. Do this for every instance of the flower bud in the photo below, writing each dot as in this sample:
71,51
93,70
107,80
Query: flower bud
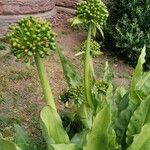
92,10
26,44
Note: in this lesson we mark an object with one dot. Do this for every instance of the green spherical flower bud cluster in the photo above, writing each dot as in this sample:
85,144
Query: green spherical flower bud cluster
31,36
92,11
74,93
94,48
101,86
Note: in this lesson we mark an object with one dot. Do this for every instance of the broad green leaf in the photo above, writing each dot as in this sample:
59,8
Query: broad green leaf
123,103
122,121
118,97
136,75
113,107
119,94
97,138
142,87
65,147
113,145
7,145
138,119
46,136
72,78
85,114
53,124
142,141
80,138
22,139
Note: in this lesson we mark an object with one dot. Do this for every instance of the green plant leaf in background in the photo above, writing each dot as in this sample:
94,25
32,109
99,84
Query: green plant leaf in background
121,123
72,78
143,85
22,139
131,101
65,147
98,138
85,114
7,145
142,141
140,117
53,125
80,138
119,94
136,76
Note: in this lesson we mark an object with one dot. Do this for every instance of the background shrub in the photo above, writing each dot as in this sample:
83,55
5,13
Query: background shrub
129,28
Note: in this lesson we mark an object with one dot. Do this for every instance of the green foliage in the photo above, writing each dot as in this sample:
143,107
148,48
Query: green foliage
31,36
133,104
94,46
72,78
2,46
66,147
142,140
22,139
139,117
92,13
53,126
107,115
128,26
98,138
137,73
123,104
8,145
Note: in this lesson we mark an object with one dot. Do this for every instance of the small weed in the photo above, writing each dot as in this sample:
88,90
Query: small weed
2,46
113,60
4,39
18,95
6,125
20,75
3,99
122,75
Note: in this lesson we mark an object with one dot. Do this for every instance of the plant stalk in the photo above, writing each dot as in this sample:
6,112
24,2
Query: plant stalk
87,74
48,96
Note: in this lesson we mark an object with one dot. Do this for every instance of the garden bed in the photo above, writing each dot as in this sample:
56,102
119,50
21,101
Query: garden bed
20,93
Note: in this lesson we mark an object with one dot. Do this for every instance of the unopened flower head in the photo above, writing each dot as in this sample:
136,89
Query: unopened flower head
31,36
94,48
92,11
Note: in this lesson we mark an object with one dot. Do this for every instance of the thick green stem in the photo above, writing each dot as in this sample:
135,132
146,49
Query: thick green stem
87,74
44,82
92,69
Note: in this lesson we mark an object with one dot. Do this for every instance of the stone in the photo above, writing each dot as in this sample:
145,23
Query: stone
18,7
12,10
67,3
